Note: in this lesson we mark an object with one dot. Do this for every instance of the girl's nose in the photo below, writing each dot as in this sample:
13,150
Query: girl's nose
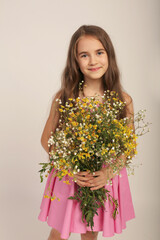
93,60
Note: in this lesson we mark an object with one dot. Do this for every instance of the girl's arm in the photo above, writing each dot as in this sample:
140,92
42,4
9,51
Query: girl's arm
51,124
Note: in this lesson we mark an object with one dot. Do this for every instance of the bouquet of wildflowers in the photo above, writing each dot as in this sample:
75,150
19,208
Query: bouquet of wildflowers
90,135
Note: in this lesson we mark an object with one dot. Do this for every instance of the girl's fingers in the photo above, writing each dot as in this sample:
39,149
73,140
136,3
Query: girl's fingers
83,173
97,187
94,180
82,180
97,180
82,183
93,185
97,183
83,177
95,174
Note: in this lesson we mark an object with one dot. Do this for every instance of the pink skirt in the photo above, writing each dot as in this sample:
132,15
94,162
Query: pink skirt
65,215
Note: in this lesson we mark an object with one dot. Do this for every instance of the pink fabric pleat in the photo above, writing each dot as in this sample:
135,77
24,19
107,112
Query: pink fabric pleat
65,215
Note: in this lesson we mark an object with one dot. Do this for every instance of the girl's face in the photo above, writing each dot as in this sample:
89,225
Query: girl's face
92,58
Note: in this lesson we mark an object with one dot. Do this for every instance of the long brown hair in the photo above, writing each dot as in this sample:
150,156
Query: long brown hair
72,75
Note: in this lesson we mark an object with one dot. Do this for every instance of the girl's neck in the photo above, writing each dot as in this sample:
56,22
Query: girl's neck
92,88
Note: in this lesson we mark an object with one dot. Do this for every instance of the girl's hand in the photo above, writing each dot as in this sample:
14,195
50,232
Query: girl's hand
83,178
100,178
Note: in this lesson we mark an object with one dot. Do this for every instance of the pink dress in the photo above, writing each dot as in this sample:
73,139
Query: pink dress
65,215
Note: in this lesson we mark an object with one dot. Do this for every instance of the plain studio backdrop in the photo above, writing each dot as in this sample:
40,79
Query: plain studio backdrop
34,40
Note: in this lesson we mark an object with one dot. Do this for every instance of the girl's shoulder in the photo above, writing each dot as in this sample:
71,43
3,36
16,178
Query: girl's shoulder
127,98
54,104
129,104
57,96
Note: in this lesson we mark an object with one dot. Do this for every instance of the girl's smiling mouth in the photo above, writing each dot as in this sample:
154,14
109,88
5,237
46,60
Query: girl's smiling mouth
94,69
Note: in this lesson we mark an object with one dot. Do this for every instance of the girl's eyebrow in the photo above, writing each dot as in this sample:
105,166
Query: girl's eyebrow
101,49
82,53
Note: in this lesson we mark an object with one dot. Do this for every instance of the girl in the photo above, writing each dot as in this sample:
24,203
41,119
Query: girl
91,61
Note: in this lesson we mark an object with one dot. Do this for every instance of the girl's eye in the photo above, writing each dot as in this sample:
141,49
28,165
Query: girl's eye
84,56
100,53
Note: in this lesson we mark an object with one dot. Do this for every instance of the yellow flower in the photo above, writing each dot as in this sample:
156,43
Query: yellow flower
62,161
96,102
84,99
53,198
61,110
64,172
70,174
67,182
115,99
46,196
73,160
85,148
99,121
74,124
82,138
112,151
88,155
103,151
72,114
89,137
80,155
93,134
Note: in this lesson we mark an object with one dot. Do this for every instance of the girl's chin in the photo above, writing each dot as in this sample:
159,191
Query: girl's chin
91,78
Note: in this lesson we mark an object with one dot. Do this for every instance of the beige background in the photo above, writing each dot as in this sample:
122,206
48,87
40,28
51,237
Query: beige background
33,45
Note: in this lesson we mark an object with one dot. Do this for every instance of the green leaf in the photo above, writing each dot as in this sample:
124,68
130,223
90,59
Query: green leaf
41,178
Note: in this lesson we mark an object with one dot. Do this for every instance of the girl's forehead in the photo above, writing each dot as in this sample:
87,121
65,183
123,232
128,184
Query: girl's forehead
88,42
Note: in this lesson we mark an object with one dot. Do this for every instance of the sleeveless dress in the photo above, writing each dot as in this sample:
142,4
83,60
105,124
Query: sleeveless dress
65,215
